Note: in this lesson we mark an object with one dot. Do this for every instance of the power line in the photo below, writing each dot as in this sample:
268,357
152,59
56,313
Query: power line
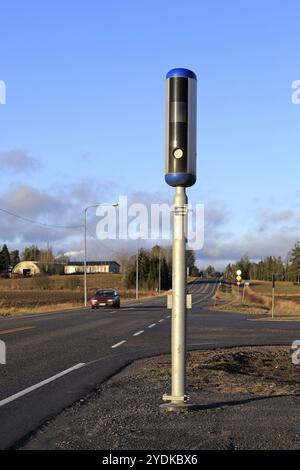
26,219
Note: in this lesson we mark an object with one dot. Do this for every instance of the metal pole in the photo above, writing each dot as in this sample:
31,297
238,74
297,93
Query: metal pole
243,294
273,295
84,261
179,299
273,301
159,273
137,277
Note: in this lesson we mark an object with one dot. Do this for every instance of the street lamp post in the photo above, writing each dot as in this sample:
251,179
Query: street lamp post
114,204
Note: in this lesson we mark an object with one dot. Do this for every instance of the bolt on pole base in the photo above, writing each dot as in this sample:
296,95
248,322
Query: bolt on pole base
176,399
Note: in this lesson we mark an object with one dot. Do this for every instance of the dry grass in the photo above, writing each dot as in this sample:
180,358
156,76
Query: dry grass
253,301
37,302
51,293
282,306
12,311
66,282
283,288
266,371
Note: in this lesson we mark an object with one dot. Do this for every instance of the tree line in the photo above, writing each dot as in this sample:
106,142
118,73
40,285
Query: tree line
150,263
9,259
288,270
154,265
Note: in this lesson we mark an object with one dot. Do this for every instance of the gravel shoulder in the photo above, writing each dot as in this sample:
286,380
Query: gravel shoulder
249,398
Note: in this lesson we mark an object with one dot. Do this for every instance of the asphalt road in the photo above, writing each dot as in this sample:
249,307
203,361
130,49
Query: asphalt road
54,359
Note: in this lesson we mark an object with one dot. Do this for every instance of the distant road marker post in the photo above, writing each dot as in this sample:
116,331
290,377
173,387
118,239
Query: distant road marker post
273,295
246,284
181,141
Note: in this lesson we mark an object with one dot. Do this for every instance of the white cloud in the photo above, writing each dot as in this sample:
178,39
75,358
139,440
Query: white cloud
64,204
268,218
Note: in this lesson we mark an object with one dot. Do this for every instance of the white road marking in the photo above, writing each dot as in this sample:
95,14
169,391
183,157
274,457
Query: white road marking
40,384
152,325
161,320
138,333
169,316
118,344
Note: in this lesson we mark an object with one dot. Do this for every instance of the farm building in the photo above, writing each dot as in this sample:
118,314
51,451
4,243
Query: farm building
26,268
33,268
92,267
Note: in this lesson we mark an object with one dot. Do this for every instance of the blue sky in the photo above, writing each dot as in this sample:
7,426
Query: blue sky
85,107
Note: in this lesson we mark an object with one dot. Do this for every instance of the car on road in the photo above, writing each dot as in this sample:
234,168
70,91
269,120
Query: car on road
106,298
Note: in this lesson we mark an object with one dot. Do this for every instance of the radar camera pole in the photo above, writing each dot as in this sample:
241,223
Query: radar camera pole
180,173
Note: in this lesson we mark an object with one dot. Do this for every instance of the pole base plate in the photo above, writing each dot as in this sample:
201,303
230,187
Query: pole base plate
178,407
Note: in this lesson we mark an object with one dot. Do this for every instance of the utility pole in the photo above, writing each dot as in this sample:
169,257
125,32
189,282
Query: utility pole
159,272
84,257
137,277
181,130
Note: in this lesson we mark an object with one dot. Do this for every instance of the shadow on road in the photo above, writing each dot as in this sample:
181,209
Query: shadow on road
225,404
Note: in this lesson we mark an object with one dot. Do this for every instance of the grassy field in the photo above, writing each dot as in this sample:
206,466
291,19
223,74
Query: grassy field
49,293
283,288
43,293
67,282
257,298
